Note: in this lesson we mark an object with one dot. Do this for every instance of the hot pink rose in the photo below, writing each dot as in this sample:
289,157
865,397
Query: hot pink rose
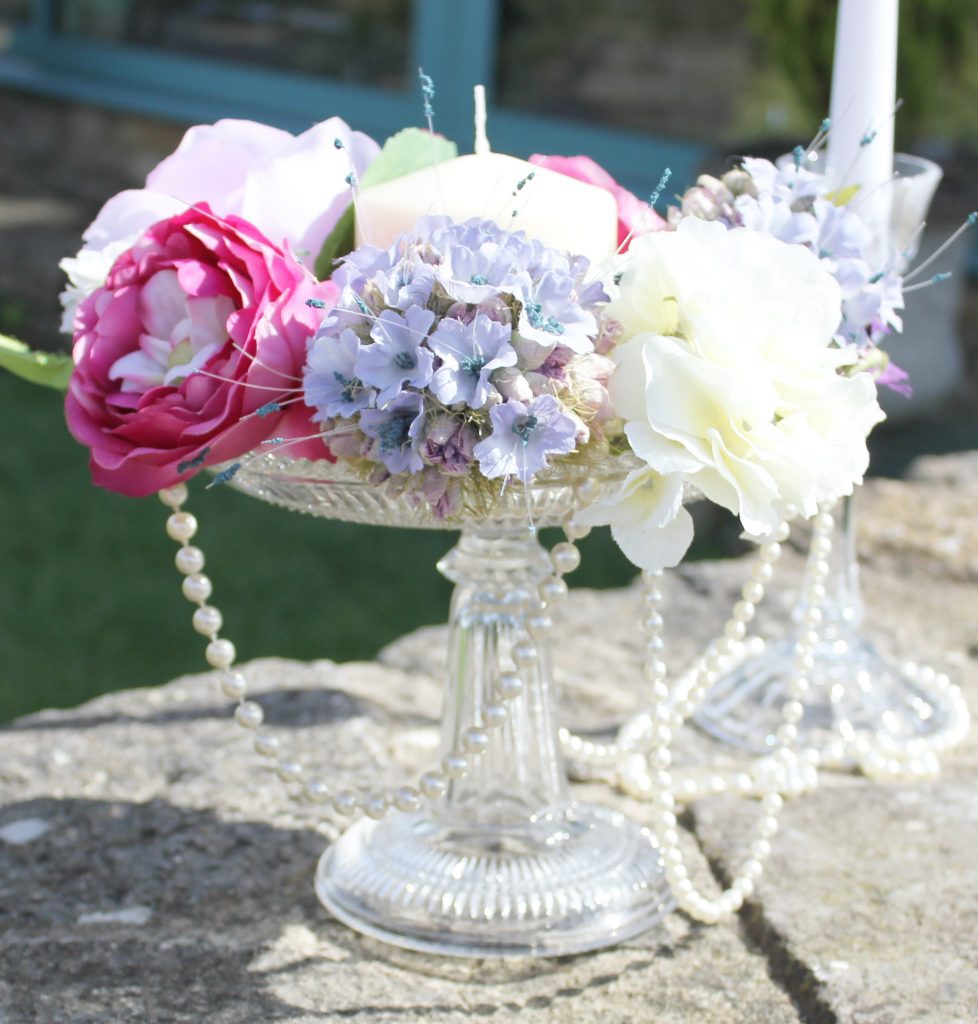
200,324
634,217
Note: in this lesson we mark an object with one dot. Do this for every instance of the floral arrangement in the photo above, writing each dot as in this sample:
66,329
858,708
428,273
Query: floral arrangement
224,308
797,205
464,353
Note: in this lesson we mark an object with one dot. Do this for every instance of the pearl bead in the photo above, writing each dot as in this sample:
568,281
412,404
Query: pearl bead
173,496
220,653
744,611
207,620
249,715
770,552
574,530
407,799
652,622
525,654
787,733
455,764
752,592
266,745
289,771
375,806
763,572
735,630
475,741
234,685
553,590
655,669
346,802
494,714
565,557
316,790
181,526
433,784
189,559
509,685
540,625
752,869
197,587
760,849
659,692
767,826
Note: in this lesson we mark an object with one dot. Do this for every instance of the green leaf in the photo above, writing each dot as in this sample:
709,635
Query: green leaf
50,369
339,242
411,149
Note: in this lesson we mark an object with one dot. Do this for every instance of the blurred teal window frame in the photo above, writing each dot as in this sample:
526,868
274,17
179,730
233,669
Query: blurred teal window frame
197,89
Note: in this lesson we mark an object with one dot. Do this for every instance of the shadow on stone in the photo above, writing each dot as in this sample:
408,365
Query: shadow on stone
295,708
148,912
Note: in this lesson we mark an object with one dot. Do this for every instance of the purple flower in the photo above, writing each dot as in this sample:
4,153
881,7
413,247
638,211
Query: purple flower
407,283
395,432
449,443
469,354
551,313
330,382
523,436
396,356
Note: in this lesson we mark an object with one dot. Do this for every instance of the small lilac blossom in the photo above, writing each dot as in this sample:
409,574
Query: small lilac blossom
551,314
449,443
395,432
768,215
522,437
397,355
330,382
469,354
842,232
408,283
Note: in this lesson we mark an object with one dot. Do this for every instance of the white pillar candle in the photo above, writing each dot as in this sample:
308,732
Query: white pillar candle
863,101
562,212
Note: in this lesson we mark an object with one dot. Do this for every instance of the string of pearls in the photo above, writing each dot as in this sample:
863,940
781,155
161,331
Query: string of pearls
647,775
350,800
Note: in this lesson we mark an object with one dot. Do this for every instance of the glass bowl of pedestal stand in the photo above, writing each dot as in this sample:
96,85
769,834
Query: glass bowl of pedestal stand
507,863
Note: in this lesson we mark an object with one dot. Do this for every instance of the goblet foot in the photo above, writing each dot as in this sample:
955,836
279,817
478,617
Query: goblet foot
570,879
856,697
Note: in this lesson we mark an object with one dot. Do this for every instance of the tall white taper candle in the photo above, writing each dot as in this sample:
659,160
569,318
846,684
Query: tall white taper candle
863,101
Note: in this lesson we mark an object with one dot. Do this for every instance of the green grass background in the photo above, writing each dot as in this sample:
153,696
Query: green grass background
90,599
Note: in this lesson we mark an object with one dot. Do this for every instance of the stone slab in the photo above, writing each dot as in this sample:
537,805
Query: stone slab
151,869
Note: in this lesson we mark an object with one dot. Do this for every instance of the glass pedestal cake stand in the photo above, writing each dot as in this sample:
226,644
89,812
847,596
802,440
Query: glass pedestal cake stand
507,863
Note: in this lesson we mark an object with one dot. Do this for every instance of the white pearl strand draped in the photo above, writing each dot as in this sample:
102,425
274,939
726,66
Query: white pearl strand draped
668,711
880,755
350,800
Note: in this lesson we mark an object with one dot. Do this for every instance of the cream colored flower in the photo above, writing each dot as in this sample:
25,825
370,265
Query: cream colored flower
726,379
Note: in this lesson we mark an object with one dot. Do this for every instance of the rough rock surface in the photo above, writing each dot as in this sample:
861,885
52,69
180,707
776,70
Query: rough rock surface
151,868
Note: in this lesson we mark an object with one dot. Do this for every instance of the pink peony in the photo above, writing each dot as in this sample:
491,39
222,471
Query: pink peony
634,217
200,324
292,188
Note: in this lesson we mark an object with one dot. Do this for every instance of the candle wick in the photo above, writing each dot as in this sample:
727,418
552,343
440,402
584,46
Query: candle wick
481,147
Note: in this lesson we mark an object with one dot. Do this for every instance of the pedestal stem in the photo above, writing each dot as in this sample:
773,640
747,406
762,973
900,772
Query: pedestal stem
496,575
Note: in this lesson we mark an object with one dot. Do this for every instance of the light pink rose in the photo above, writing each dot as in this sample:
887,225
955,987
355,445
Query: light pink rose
200,324
291,188
634,217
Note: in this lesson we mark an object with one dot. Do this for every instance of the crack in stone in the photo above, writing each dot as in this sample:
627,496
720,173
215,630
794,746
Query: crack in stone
793,976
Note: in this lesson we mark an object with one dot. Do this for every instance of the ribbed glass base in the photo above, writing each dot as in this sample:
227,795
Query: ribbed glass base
572,879
854,693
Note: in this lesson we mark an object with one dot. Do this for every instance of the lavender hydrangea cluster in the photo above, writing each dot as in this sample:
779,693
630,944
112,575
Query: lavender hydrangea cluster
796,205
463,349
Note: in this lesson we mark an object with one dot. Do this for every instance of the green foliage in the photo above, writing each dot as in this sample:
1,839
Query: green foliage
50,369
934,58
409,150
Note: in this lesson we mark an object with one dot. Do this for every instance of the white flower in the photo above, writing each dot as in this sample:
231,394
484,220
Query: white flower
727,379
